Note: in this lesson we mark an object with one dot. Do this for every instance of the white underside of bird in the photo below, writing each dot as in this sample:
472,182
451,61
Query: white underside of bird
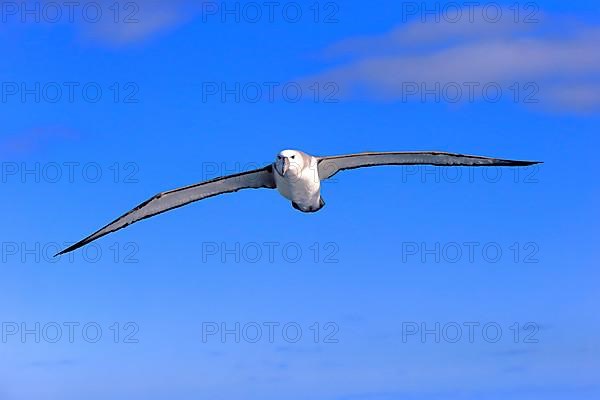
299,184
296,175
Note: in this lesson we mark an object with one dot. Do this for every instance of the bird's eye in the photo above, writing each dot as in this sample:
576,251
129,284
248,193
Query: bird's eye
293,157
279,157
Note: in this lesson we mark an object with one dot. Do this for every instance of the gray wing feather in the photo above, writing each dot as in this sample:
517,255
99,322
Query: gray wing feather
329,166
162,202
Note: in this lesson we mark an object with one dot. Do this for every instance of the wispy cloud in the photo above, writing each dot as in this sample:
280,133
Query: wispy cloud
108,22
525,392
555,62
140,20
53,364
33,139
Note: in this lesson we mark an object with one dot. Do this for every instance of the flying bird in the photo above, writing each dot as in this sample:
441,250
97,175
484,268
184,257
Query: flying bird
296,175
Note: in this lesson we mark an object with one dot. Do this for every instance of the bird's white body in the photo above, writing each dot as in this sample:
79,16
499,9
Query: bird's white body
297,179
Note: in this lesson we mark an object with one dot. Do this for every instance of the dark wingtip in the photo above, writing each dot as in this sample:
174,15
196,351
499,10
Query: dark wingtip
69,249
525,163
61,253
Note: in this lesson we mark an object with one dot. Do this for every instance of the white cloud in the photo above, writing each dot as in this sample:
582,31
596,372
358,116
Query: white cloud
140,20
560,58
108,22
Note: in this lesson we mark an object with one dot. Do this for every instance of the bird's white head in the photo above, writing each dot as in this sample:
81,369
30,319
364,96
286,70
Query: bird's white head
290,162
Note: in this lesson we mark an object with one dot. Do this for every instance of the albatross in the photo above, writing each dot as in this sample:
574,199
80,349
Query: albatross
296,175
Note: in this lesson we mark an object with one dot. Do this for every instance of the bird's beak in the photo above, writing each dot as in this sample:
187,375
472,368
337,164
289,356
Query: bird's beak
285,166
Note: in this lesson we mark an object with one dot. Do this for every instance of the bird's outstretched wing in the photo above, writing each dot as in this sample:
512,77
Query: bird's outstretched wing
261,178
329,166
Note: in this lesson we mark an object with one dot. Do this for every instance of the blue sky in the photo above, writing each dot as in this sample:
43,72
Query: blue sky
390,251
